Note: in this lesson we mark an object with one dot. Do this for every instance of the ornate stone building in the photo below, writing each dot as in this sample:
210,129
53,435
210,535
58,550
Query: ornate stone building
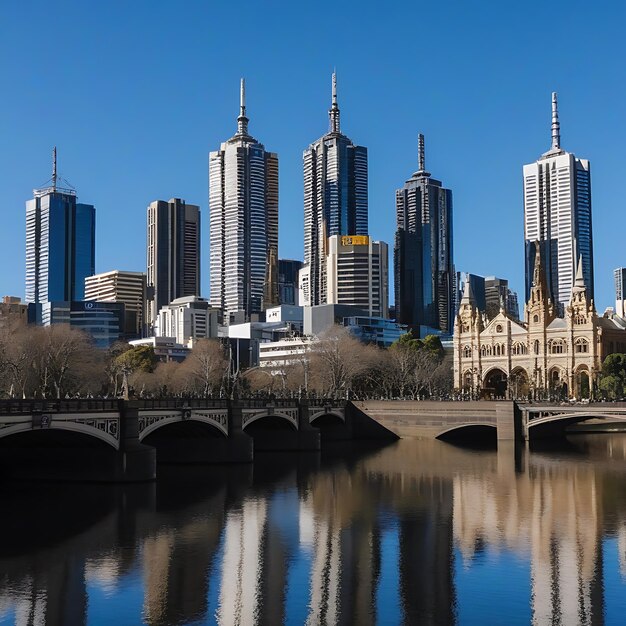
541,356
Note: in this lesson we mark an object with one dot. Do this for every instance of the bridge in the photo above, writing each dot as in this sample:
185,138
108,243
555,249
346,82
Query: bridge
498,420
117,440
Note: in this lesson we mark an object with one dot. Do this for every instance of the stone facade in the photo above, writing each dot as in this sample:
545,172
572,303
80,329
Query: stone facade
542,356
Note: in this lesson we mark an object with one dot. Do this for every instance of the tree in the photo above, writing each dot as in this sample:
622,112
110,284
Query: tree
138,359
205,368
613,380
66,361
337,358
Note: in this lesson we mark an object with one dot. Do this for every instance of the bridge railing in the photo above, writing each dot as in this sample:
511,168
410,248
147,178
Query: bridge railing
82,405
178,403
96,405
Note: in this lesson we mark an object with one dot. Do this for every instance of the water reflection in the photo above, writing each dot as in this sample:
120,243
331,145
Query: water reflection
419,532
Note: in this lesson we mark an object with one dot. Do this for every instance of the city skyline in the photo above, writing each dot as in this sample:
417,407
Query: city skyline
385,114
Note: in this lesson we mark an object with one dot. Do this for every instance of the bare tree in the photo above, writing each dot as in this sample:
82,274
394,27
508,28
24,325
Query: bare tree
336,361
204,369
65,360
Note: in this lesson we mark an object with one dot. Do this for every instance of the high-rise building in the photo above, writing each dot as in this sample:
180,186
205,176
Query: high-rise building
60,243
173,254
477,285
491,294
499,296
119,286
288,280
557,213
357,273
620,291
423,262
335,196
243,202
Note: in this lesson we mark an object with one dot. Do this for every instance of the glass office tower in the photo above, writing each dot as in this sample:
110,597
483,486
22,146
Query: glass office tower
243,203
60,244
423,265
557,213
335,197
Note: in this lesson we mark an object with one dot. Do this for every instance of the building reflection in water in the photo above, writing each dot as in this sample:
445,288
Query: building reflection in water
299,542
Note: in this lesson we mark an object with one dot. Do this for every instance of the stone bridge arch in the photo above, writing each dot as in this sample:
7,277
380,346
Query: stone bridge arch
471,431
151,421
270,416
557,423
102,426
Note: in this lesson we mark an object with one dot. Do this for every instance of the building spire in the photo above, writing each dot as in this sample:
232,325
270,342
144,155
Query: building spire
556,127
468,294
579,283
242,120
54,168
421,157
333,113
538,271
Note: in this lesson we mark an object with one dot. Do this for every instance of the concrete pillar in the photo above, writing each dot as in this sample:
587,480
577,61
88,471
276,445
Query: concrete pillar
135,461
309,437
240,445
508,421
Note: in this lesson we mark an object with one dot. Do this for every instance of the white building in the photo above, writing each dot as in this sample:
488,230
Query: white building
357,274
187,319
557,212
165,348
243,202
119,286
304,286
286,351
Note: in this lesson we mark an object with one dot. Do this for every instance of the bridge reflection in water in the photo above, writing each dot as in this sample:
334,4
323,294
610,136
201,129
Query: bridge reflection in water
412,533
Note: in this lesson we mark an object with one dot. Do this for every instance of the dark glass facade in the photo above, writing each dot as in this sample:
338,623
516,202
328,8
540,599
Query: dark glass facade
60,246
423,263
288,281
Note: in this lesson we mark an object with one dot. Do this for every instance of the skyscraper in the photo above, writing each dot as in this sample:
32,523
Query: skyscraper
423,265
357,273
60,243
243,203
173,254
335,196
557,213
288,280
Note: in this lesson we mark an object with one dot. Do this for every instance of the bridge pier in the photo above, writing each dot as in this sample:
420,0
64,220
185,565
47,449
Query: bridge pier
135,461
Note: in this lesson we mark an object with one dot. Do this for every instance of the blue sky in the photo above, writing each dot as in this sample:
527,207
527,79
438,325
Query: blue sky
135,94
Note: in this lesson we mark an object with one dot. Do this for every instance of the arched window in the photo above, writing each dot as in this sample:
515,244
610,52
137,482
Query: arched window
535,318
467,352
536,346
467,379
579,319
519,348
581,345
557,346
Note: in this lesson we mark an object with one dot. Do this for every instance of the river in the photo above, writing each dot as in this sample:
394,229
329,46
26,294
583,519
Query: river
418,532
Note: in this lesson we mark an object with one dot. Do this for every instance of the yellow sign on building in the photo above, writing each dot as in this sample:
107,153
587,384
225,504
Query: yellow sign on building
355,240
